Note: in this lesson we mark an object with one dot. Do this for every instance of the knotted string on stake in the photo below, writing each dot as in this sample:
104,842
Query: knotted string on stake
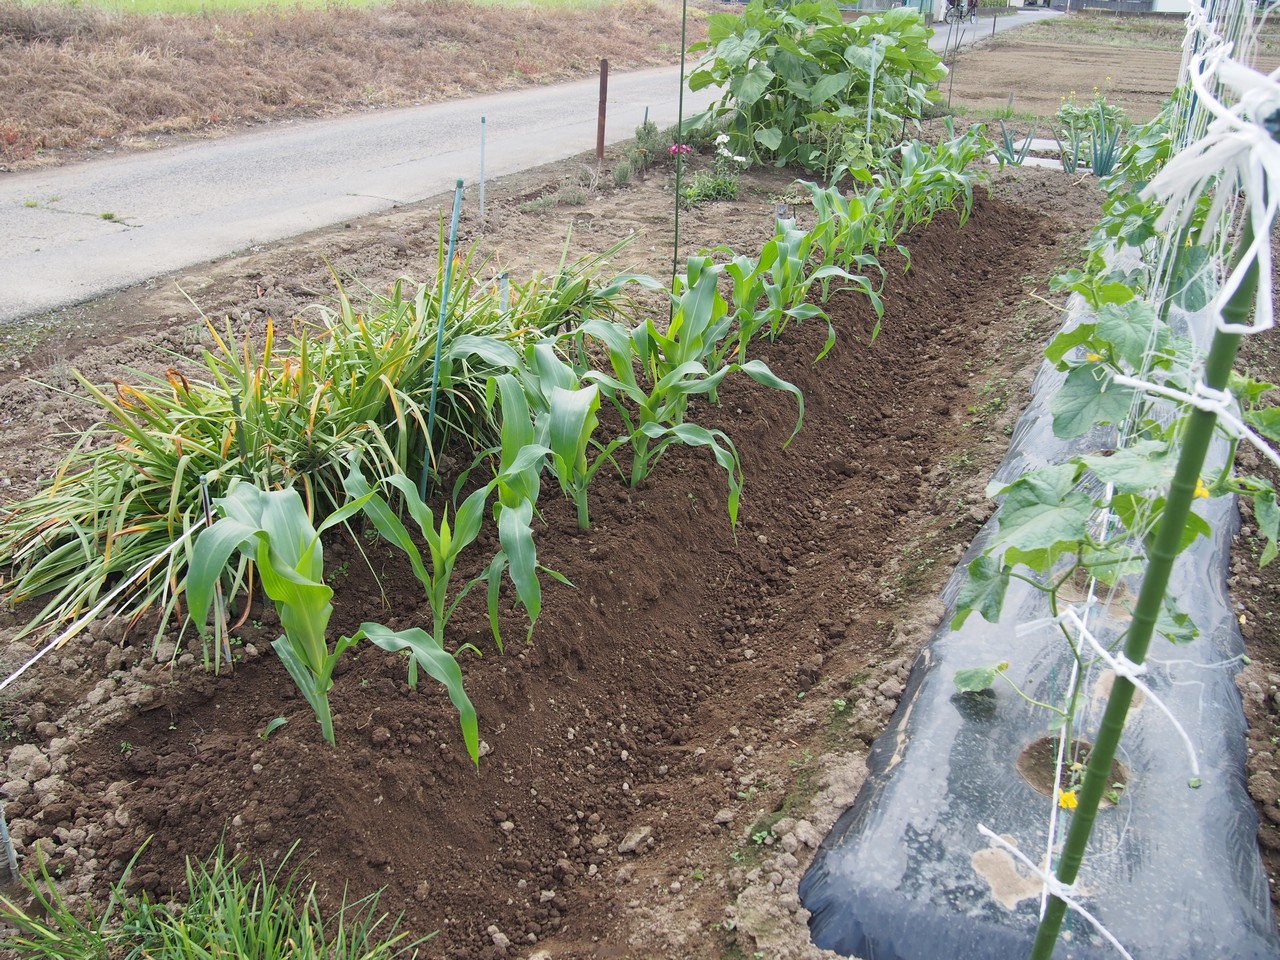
1237,155
1054,887
1218,402
1122,666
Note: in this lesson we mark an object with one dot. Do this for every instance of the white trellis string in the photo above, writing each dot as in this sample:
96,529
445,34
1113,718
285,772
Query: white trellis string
1120,664
1210,401
86,618
1216,665
1236,154
1031,626
1064,892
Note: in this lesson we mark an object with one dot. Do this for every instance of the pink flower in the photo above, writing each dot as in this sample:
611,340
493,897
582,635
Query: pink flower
680,148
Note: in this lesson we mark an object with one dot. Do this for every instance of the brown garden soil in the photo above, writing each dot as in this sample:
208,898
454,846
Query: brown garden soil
667,750
1134,61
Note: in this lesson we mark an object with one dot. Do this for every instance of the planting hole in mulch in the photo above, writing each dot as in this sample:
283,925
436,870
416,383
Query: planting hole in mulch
1038,763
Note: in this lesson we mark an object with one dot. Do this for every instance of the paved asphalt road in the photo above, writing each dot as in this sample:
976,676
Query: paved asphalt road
71,233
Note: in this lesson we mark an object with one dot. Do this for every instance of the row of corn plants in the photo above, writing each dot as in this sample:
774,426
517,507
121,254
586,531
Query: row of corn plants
1129,370
330,423
294,436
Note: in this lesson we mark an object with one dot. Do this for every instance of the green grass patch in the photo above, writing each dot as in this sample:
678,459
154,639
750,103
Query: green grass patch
231,910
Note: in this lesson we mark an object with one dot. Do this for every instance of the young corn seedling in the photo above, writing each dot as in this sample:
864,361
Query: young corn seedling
564,414
518,483
272,530
654,416
645,412
446,542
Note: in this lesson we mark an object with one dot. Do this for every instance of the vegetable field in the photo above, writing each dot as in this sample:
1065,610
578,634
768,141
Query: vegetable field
628,704
665,713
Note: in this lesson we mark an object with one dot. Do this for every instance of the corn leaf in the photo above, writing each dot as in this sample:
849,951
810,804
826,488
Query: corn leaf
438,664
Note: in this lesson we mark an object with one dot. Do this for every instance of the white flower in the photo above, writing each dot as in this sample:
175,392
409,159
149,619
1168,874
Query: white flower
1237,154
722,139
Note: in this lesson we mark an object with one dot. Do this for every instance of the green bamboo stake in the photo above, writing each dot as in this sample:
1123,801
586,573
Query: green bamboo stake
1195,445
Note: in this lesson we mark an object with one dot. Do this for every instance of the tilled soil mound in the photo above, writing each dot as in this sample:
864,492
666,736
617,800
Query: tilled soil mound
660,748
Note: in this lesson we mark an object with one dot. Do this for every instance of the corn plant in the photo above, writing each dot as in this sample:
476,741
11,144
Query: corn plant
849,229
652,408
272,530
564,414
445,541
518,482
939,177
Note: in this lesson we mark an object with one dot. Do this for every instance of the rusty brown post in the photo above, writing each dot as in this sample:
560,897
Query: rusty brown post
604,96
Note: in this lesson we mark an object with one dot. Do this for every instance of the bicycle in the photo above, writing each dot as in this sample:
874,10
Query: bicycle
958,12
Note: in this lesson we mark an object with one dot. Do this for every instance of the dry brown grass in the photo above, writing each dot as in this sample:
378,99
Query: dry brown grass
76,77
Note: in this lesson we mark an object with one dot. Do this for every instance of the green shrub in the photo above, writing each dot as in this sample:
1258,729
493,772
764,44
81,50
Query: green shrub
791,74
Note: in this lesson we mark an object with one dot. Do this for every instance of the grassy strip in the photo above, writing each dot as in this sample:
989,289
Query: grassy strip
229,912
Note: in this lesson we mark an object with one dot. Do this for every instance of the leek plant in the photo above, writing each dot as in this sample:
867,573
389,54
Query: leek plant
1009,152
1104,141
272,529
